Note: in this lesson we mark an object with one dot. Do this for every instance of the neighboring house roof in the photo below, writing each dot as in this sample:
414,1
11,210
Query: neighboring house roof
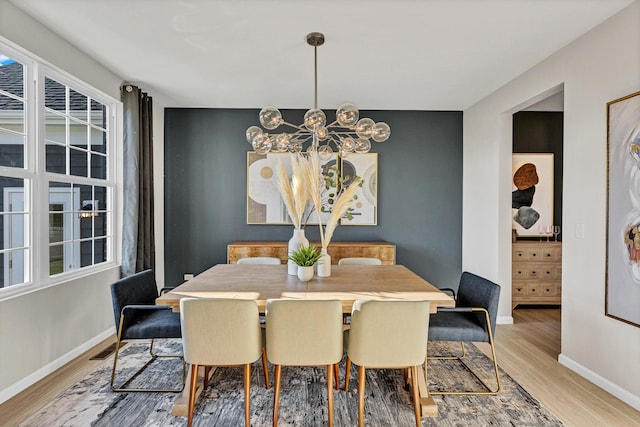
12,81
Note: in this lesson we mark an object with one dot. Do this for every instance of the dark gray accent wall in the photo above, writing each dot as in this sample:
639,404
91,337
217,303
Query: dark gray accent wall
419,190
542,132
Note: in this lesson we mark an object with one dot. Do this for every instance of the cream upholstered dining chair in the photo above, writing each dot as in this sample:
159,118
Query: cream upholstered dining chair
359,261
387,334
304,333
209,338
260,260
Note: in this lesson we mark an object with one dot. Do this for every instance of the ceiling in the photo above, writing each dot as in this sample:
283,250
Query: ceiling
381,54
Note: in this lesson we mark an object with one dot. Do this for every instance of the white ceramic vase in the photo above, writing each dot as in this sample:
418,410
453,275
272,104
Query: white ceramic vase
324,264
298,240
305,273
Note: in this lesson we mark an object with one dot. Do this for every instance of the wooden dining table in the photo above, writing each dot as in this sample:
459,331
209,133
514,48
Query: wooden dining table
347,283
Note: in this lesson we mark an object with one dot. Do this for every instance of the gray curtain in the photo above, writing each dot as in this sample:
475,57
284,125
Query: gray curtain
138,249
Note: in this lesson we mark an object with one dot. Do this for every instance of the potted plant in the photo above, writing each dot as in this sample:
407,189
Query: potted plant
305,257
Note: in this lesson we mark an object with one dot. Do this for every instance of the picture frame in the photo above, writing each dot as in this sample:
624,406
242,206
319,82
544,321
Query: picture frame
532,194
622,281
264,203
365,205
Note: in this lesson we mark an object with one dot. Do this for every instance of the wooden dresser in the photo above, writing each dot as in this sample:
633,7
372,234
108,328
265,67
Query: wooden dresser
536,273
384,250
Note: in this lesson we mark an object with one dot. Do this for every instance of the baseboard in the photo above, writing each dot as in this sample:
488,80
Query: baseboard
622,394
30,380
504,320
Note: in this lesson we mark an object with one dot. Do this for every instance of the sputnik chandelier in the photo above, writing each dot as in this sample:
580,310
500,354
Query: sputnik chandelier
348,133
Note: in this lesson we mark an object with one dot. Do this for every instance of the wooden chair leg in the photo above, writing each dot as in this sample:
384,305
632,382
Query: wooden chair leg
265,367
414,392
406,375
336,376
361,378
277,373
330,392
207,372
192,394
247,395
347,371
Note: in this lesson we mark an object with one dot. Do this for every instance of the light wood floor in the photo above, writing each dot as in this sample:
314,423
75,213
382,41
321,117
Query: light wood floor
527,350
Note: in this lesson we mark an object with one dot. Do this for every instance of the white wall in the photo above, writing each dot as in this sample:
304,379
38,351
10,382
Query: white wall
600,66
42,330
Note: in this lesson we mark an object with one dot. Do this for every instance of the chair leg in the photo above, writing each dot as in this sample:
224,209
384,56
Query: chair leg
414,392
361,379
247,395
265,368
330,392
192,393
336,376
346,374
205,381
277,373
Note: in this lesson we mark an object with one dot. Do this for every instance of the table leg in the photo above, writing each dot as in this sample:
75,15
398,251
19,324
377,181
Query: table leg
180,406
428,406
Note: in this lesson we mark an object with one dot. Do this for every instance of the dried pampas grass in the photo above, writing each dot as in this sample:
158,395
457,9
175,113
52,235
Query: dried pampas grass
293,192
340,207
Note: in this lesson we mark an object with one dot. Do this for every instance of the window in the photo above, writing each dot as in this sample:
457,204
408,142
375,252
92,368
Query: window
56,213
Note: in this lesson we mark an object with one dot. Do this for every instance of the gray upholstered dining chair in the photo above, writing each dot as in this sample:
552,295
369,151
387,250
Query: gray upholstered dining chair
359,261
209,338
137,317
304,333
387,334
267,260
472,320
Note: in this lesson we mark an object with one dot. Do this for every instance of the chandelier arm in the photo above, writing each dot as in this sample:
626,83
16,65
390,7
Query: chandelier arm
291,125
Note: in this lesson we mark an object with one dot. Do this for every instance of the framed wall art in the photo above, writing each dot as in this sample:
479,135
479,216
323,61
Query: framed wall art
532,193
264,204
622,284
365,206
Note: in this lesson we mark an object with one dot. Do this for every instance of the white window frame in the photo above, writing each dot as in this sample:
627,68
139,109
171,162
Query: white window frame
37,179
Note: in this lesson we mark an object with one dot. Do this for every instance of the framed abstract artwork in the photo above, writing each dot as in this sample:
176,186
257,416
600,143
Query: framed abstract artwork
622,283
264,204
365,204
532,193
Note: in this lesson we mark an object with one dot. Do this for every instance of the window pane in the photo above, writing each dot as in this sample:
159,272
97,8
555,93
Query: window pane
55,127
100,194
86,253
11,149
100,251
56,259
78,162
55,96
11,76
98,114
13,267
78,135
98,166
98,141
78,105
100,224
11,113
56,159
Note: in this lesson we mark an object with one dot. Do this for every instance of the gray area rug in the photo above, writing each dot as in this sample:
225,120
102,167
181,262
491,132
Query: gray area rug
303,397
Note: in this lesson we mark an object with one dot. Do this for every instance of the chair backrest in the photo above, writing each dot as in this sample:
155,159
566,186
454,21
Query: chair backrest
388,333
476,291
260,260
137,289
304,332
359,261
220,331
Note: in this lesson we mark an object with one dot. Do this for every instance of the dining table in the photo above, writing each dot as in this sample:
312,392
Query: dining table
347,284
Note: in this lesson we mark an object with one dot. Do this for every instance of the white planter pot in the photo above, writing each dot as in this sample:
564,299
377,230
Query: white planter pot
298,240
305,273
324,264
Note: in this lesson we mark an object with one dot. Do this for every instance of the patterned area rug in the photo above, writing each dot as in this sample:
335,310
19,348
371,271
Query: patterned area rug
303,397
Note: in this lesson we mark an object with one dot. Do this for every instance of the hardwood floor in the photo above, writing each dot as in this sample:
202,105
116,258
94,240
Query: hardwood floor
527,350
